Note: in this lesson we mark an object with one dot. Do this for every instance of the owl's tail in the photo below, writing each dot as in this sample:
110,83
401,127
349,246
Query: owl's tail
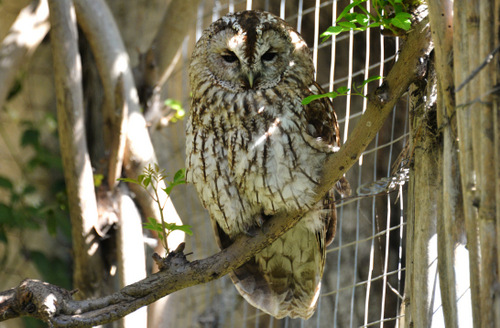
285,278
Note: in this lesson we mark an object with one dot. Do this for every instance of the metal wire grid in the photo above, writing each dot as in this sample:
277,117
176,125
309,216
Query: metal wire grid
364,277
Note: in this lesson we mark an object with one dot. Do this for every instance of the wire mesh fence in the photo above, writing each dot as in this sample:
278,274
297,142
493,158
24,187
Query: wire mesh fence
364,276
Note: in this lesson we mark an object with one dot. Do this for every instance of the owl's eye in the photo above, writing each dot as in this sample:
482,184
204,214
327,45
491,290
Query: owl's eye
229,57
268,56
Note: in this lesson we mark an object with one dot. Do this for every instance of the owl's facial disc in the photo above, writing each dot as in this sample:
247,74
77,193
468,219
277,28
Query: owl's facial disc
249,51
257,64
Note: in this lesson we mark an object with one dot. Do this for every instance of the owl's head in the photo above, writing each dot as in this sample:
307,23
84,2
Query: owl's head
250,50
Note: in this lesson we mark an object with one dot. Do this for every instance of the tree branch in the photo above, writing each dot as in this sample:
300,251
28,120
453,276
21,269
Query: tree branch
113,65
76,161
409,67
158,62
177,273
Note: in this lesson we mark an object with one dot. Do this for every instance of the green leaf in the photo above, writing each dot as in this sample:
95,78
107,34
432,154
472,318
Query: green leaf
398,8
343,90
174,104
28,190
348,8
350,17
307,100
6,183
3,236
146,181
386,22
375,24
6,216
51,224
153,225
371,79
15,89
332,30
402,21
129,180
180,176
185,228
362,19
30,137
348,25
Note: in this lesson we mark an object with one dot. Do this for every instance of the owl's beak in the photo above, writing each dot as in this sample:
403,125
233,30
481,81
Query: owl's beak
250,79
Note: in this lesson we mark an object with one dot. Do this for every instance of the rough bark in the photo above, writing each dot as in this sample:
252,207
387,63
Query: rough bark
450,226
462,63
422,279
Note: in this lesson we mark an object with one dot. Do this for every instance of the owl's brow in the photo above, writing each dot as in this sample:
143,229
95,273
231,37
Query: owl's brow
250,24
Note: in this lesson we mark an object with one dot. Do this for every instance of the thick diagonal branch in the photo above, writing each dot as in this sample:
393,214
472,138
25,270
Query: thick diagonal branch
409,67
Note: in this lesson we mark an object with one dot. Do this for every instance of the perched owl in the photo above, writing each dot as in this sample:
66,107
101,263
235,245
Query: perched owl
253,149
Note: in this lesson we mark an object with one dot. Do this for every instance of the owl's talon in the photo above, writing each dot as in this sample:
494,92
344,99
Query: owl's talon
260,223
252,232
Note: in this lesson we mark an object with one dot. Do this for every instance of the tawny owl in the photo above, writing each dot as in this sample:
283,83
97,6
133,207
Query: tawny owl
253,149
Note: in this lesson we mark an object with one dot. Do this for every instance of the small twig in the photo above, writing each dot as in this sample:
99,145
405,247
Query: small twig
488,59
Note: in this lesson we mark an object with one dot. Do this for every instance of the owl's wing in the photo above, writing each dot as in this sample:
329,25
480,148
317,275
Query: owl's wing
330,217
322,119
323,124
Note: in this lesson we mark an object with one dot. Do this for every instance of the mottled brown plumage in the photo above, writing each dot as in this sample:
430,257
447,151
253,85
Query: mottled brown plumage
253,149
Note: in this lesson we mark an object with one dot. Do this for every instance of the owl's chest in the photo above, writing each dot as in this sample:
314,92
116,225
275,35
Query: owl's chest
256,155
271,161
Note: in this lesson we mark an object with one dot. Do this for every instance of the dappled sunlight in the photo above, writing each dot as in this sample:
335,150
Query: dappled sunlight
29,27
269,132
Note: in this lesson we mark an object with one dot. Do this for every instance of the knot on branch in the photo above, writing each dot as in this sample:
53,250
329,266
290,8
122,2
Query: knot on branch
173,260
33,298
382,94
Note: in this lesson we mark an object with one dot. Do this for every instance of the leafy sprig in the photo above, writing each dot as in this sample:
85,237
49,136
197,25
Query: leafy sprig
149,181
389,14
